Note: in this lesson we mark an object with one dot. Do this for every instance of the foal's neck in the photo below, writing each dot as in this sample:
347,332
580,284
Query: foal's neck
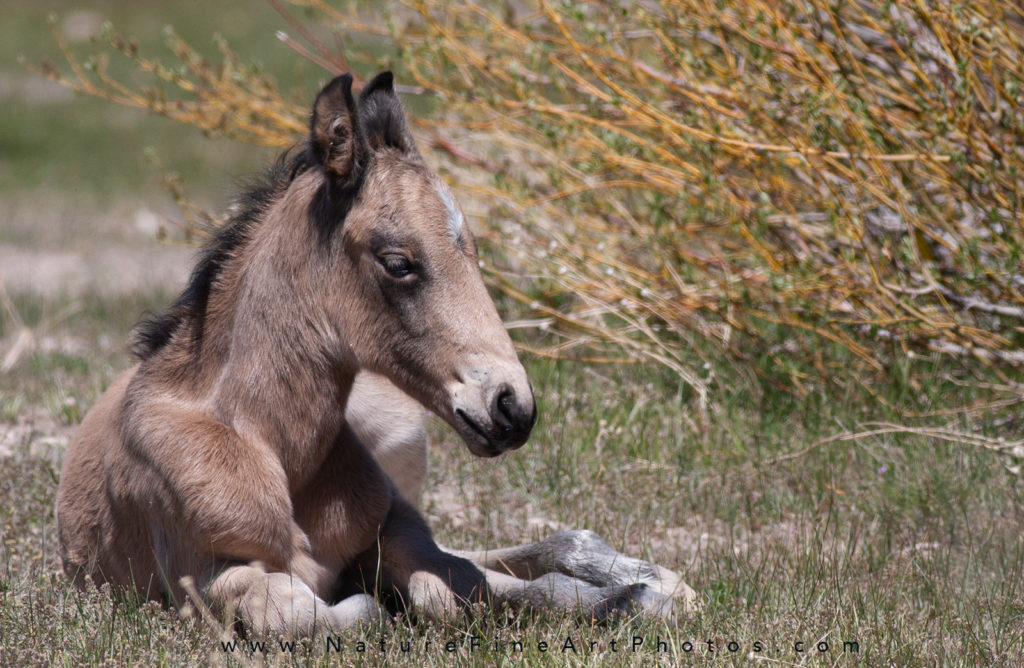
285,372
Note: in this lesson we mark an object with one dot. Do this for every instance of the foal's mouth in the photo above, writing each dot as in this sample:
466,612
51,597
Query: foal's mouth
492,450
486,446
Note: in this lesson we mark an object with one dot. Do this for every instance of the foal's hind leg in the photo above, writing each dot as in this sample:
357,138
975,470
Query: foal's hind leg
585,555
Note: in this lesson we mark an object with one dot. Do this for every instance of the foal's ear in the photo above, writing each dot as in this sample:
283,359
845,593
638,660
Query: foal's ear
334,131
382,116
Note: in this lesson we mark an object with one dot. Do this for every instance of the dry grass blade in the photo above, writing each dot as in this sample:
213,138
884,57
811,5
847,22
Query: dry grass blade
883,428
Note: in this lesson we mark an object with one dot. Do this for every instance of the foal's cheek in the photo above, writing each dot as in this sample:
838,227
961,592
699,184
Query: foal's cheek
403,310
408,318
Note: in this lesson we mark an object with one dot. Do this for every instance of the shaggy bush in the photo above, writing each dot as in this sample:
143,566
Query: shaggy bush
805,193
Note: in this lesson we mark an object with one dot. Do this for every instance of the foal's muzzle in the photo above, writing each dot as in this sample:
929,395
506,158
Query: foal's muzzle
509,418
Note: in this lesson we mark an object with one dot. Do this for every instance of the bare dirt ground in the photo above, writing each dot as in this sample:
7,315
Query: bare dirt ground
51,247
53,251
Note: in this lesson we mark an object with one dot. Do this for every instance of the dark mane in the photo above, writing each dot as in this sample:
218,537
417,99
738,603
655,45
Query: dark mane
152,334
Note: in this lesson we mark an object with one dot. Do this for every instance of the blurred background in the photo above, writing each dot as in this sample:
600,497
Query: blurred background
81,192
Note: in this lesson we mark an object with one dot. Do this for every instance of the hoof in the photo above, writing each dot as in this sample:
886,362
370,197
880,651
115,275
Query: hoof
633,599
652,603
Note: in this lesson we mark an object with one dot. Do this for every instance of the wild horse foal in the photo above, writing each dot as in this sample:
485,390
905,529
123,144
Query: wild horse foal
243,453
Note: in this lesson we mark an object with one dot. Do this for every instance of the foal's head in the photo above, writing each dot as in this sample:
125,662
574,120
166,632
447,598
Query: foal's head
411,304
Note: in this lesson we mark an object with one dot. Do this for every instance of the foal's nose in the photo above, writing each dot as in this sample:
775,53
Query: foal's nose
513,417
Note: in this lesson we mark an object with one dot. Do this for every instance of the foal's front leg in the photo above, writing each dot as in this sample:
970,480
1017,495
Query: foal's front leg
239,531
406,561
438,584
585,555
396,435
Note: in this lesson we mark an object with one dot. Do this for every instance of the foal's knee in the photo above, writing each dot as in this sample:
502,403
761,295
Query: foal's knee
431,597
279,603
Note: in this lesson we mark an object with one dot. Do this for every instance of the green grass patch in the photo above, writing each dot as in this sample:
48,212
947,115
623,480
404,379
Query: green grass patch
904,544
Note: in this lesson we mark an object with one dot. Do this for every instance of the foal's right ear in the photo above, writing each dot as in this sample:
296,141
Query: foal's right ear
334,132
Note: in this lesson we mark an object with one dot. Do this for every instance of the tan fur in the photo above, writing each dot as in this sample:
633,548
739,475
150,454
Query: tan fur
269,450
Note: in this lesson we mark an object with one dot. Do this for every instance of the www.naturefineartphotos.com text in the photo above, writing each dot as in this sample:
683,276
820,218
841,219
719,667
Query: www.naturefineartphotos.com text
568,644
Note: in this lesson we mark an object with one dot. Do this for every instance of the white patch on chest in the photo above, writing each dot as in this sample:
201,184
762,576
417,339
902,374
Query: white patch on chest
455,218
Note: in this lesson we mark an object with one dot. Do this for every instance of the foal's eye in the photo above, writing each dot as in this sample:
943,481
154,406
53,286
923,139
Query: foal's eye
397,266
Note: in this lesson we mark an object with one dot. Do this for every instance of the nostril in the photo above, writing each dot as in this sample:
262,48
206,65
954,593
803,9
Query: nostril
511,420
506,402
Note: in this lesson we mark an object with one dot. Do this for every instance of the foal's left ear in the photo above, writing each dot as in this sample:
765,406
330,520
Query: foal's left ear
382,116
334,132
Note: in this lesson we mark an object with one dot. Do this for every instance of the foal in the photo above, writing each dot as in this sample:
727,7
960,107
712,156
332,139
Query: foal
237,454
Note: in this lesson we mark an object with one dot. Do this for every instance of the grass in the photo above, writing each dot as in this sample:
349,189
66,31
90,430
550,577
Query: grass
907,545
